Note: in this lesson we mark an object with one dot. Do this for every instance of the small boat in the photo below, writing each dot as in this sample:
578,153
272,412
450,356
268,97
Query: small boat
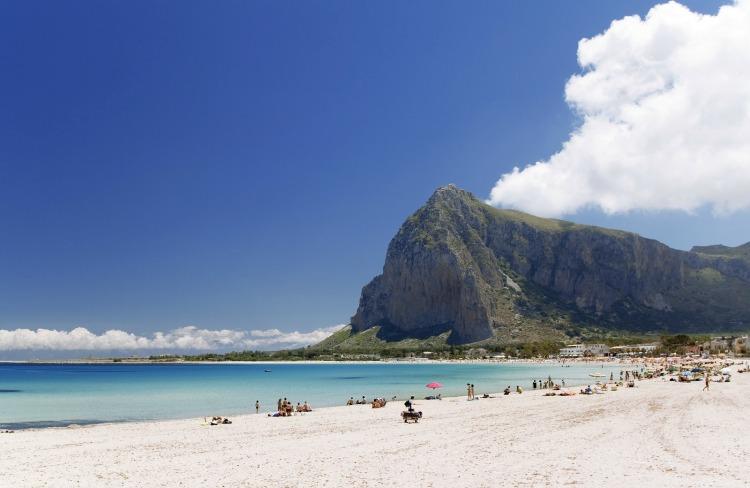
266,370
597,375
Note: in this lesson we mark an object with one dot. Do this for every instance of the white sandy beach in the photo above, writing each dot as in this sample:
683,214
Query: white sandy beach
661,433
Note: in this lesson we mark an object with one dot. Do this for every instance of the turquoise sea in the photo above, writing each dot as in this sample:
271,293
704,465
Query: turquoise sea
44,395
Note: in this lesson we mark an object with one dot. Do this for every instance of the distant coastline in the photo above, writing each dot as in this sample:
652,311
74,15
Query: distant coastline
594,360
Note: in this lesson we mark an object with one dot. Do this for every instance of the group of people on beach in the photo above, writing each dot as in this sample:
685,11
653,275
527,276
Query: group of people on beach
285,408
352,401
548,384
377,402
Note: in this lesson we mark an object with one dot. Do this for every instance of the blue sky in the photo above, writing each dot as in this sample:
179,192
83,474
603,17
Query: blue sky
244,164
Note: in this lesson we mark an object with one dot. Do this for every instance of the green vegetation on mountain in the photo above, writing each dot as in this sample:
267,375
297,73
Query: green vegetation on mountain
740,252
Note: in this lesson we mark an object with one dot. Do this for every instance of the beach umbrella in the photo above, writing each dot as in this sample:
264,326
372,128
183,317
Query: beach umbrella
434,385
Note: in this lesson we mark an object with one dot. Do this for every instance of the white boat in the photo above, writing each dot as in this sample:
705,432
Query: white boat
597,375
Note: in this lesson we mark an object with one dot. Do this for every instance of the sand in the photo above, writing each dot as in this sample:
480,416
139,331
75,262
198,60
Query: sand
660,433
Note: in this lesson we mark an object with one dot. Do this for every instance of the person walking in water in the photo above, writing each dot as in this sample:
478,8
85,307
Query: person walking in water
708,381
257,406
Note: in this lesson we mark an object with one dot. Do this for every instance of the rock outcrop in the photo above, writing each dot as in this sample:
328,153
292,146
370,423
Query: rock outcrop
462,266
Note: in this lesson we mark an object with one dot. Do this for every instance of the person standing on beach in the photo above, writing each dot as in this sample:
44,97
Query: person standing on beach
473,395
468,391
708,381
278,405
257,406
534,384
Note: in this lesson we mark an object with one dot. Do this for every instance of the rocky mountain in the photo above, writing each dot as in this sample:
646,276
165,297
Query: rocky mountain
471,272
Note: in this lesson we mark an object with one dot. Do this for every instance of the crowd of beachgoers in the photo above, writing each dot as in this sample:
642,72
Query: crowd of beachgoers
681,369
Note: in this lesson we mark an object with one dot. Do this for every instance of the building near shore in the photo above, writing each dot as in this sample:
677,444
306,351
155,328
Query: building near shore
724,344
634,349
580,350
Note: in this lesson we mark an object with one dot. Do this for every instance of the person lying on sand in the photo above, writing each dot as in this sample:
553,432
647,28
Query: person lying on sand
220,420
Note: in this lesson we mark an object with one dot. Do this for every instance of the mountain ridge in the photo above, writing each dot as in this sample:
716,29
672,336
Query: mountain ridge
460,266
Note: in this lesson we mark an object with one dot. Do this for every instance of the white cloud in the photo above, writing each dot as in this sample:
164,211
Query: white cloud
184,338
665,120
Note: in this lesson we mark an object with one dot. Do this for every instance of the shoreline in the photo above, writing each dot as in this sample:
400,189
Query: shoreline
97,423
594,360
25,426
660,432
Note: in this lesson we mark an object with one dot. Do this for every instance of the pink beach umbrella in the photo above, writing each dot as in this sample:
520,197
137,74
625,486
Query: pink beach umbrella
434,385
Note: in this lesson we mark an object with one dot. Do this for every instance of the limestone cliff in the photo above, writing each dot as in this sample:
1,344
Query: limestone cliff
462,266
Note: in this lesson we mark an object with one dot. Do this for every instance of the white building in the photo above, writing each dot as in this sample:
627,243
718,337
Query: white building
635,349
578,350
572,351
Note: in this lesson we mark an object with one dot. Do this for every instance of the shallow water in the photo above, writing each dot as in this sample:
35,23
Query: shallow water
44,395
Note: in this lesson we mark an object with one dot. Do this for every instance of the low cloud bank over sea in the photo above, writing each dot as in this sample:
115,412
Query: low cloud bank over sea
183,339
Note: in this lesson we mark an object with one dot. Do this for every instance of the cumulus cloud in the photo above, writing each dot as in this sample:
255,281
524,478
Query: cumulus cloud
184,338
664,106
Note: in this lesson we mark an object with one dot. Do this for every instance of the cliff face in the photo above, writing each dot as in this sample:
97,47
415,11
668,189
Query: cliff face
459,265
